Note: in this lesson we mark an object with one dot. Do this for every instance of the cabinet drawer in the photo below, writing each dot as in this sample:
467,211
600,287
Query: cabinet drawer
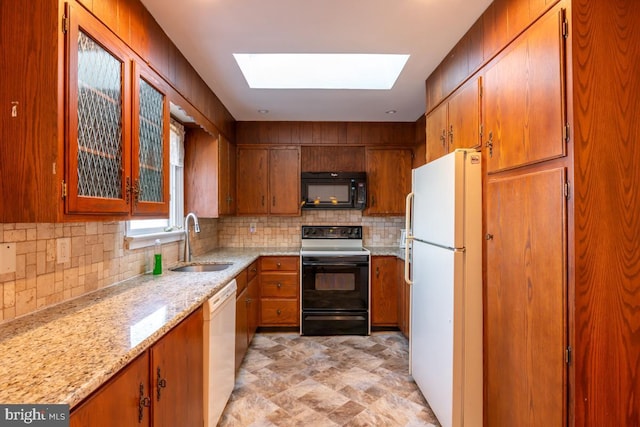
279,285
277,263
252,270
241,281
279,312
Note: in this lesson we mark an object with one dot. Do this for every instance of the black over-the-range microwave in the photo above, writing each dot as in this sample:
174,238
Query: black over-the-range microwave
334,190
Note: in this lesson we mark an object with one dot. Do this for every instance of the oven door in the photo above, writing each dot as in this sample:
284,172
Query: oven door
334,283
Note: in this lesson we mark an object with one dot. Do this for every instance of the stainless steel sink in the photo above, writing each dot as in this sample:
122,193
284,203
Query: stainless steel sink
203,267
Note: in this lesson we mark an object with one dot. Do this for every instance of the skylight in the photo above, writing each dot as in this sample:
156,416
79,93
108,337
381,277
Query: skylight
320,71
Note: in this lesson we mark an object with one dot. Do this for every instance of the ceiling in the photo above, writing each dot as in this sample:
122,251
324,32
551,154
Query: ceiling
208,32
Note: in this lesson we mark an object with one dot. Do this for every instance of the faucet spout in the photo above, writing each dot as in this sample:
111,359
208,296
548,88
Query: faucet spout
196,228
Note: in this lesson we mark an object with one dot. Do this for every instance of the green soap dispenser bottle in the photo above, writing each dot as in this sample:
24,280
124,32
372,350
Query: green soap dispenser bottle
157,251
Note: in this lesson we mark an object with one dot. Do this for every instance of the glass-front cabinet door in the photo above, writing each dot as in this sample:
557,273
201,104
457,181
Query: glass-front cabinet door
150,157
98,118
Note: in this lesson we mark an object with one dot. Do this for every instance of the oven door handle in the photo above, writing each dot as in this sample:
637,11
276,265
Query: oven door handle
333,264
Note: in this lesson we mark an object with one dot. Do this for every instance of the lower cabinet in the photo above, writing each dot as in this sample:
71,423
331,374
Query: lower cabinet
247,298
384,291
279,291
161,387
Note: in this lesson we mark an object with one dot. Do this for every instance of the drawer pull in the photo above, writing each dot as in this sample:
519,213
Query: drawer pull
278,264
278,311
279,285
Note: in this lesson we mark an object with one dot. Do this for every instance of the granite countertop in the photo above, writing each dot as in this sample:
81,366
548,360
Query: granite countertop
386,251
63,353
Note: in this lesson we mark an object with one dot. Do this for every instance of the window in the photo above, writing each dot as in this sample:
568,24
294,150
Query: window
141,233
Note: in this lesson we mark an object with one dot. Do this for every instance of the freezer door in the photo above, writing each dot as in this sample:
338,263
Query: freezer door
441,197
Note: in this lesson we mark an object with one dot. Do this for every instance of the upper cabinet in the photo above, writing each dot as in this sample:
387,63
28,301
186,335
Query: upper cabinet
268,180
118,126
226,177
388,180
209,174
524,112
456,122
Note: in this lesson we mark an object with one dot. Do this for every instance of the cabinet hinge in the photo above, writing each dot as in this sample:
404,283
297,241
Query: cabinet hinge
568,355
565,29
65,24
566,133
567,190
64,189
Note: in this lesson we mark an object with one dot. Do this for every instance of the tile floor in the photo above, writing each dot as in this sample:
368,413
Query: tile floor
290,380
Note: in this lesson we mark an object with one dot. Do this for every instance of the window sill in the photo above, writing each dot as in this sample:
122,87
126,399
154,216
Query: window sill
146,240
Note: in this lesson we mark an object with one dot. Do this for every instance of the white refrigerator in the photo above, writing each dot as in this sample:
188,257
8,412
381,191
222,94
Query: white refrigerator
444,245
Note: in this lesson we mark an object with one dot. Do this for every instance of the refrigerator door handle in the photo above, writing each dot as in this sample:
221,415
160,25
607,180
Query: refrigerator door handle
409,239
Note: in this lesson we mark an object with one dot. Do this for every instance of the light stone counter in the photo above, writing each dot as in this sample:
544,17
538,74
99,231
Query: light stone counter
386,251
65,352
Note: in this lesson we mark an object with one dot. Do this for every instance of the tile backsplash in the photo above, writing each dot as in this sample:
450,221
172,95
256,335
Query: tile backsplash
285,231
99,258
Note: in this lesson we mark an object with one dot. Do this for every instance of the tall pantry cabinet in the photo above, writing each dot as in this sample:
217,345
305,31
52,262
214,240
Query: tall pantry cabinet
561,212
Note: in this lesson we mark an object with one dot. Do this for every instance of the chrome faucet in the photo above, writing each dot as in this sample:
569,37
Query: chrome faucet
196,228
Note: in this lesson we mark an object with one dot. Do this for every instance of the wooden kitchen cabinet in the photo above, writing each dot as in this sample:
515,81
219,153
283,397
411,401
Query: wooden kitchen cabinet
177,375
247,310
279,291
525,311
524,93
242,344
384,291
209,174
253,301
456,122
268,181
226,177
388,180
125,400
117,143
161,387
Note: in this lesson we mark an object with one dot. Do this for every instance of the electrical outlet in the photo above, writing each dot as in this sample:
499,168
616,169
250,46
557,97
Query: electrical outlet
7,258
63,250
252,227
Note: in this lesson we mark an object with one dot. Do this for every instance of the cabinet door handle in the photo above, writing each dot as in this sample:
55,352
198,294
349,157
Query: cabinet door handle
273,201
262,200
489,144
443,138
248,301
451,134
160,384
144,402
377,272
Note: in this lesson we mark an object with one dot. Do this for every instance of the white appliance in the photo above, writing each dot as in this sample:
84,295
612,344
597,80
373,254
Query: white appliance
444,235
219,351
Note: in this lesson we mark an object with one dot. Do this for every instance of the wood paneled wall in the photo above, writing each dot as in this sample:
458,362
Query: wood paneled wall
326,133
137,28
606,135
500,23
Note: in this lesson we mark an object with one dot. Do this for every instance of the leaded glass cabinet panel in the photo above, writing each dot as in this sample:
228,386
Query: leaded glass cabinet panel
150,143
98,119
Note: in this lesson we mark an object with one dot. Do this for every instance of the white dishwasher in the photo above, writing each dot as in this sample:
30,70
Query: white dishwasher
219,352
